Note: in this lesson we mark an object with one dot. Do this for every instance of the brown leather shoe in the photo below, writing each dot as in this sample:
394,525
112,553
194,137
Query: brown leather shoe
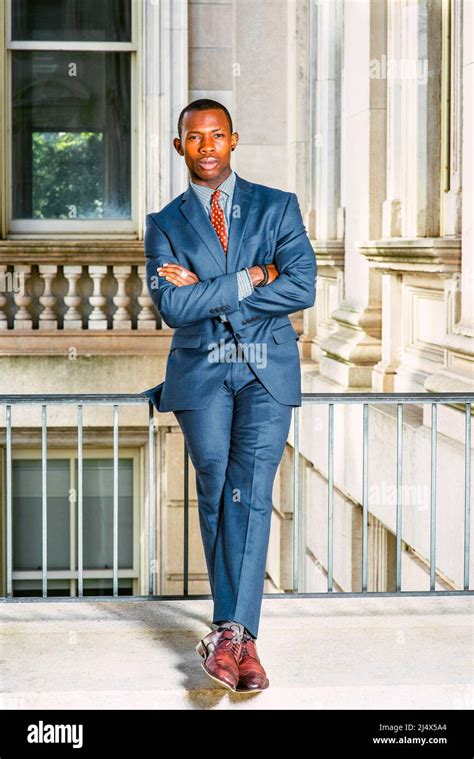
221,651
252,676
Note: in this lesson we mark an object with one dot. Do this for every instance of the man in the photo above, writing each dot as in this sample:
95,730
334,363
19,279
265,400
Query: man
227,261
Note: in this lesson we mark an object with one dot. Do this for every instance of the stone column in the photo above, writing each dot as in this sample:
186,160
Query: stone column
324,150
391,206
383,378
458,371
271,88
349,353
419,70
165,94
325,142
452,215
465,328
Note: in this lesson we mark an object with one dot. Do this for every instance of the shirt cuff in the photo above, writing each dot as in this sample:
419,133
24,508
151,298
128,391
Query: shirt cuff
244,284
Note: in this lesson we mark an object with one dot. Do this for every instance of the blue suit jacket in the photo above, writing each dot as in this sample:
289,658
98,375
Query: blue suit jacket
266,227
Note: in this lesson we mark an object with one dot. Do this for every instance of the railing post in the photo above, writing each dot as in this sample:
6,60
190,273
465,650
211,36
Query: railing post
186,523
115,524
9,503
330,495
434,409
151,497
80,521
467,496
399,494
44,501
296,491
365,480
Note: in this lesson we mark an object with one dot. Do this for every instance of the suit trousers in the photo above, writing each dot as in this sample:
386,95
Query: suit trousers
235,444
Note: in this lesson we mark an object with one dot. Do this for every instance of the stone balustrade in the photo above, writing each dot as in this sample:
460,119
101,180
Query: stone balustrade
72,295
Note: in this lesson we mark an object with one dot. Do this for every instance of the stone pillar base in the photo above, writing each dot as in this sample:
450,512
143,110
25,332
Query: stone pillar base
348,355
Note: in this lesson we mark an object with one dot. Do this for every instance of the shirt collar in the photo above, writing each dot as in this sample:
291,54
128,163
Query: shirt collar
227,187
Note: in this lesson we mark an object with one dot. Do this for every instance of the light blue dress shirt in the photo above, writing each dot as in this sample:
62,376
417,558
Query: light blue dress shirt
244,282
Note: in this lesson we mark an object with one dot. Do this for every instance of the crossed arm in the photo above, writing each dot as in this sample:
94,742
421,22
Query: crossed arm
293,288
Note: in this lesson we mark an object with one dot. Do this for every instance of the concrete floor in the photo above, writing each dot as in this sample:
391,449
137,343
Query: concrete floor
329,653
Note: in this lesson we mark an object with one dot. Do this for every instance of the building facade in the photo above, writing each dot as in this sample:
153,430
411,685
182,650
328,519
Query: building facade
364,108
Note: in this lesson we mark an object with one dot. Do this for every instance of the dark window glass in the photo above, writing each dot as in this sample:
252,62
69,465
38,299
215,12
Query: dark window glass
27,510
98,503
71,135
71,20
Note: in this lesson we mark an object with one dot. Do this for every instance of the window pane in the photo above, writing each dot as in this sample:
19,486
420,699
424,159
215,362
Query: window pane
71,20
26,503
71,135
98,502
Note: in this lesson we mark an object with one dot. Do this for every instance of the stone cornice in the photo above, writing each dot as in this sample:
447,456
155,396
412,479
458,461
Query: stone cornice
416,255
329,252
85,342
106,252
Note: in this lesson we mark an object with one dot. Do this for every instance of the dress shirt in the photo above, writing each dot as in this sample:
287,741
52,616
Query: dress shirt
204,193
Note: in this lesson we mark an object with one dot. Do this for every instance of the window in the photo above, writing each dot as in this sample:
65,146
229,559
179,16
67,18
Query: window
62,522
72,117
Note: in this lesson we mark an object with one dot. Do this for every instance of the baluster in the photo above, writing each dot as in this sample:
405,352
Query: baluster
72,317
98,317
47,318
146,316
121,299
23,318
3,296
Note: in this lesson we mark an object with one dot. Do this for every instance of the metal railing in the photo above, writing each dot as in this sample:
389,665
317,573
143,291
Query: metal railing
329,399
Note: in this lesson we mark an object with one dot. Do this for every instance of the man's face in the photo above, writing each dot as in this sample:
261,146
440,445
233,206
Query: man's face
206,143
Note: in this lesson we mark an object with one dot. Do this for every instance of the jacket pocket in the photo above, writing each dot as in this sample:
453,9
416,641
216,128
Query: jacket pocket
284,333
186,341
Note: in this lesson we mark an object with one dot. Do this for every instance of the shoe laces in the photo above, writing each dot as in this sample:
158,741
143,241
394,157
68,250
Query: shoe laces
235,642
247,650
235,646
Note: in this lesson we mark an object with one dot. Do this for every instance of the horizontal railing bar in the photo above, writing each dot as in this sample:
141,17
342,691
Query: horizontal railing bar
53,399
130,398
387,397
286,596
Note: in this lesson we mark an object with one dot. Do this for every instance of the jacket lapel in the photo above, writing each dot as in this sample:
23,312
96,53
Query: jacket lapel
195,214
239,215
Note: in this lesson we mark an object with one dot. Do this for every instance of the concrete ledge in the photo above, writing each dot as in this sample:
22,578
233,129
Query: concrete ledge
334,653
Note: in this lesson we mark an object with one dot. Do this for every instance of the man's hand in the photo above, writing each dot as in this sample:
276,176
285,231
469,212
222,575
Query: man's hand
177,274
256,274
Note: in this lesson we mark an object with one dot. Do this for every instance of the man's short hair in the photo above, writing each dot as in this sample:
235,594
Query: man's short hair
203,104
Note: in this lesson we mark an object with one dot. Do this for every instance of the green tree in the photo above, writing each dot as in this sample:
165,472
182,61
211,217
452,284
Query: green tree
67,175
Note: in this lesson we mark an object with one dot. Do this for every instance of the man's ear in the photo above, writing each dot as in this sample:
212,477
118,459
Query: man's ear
178,146
234,140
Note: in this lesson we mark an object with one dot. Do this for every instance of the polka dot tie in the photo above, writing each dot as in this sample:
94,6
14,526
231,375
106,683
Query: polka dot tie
218,219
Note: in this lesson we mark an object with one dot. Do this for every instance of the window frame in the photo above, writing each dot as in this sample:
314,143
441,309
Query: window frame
75,228
72,574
